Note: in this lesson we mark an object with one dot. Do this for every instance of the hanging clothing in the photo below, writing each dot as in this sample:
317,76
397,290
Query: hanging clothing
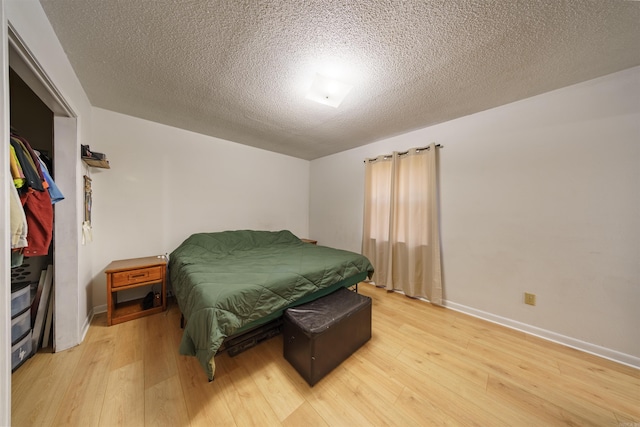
36,202
33,159
16,170
29,168
54,192
17,220
17,258
39,212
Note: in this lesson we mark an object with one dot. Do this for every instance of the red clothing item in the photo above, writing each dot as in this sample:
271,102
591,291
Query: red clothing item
39,212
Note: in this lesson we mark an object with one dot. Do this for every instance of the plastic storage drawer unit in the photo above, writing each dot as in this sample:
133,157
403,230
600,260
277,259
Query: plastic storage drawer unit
20,352
319,335
20,325
20,297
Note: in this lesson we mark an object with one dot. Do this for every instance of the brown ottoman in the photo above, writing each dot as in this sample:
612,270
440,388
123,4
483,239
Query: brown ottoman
319,335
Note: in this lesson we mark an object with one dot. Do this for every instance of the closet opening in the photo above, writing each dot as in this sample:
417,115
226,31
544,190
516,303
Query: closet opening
32,267
40,115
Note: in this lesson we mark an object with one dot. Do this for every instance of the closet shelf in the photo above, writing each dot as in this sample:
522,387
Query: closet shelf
104,164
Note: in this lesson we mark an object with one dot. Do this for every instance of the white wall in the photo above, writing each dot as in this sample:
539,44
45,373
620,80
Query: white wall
542,196
166,184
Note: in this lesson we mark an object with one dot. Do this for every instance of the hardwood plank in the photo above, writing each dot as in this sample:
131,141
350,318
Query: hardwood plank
127,339
281,395
304,415
448,356
514,354
84,397
333,401
124,397
164,404
206,405
366,398
38,389
99,329
547,410
569,354
424,365
373,377
437,393
424,412
559,388
454,393
159,350
246,403
621,387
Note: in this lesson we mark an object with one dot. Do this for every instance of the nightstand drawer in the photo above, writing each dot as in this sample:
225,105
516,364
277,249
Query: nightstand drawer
131,277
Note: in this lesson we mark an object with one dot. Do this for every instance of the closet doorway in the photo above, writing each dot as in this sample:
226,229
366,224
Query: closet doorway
43,115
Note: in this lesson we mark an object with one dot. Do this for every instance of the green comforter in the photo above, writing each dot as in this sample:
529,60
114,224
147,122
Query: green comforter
227,280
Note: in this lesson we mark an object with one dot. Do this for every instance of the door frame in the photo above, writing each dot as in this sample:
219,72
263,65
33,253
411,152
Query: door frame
67,228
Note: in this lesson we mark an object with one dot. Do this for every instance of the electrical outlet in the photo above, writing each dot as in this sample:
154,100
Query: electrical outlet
529,298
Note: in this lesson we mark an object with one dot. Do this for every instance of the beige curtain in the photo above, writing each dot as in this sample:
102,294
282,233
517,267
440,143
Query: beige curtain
401,235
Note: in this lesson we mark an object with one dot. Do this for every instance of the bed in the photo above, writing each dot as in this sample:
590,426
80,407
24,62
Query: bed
232,281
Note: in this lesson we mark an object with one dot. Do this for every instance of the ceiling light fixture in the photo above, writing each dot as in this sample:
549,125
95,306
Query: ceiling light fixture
328,91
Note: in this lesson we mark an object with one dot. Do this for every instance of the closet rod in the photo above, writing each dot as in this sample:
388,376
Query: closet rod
386,156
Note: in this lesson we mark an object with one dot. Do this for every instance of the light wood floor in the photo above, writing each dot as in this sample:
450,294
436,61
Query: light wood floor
423,366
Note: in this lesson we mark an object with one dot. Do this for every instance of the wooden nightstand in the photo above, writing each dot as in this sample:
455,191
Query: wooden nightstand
129,274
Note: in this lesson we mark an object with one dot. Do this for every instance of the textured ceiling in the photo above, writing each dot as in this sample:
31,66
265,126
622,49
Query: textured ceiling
239,69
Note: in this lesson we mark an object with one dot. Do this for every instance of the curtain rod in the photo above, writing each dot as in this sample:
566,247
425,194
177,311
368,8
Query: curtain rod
403,153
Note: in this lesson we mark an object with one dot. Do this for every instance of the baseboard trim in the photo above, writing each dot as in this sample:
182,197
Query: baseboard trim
95,310
616,356
100,309
607,353
85,325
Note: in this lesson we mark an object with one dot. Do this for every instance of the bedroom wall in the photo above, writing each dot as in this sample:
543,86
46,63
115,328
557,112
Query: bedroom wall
166,183
539,196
